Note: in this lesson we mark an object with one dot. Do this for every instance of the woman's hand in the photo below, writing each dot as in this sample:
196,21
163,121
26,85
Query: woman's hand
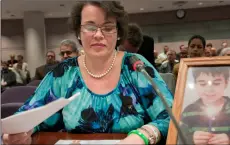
132,139
219,139
201,137
20,138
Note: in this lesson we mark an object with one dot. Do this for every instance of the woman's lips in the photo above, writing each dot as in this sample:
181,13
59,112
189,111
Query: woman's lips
98,45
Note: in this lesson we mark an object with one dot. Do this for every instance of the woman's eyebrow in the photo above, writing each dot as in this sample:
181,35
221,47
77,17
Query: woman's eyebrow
201,81
89,22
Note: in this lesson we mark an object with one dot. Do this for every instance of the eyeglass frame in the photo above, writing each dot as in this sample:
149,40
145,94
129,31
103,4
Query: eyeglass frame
62,53
98,27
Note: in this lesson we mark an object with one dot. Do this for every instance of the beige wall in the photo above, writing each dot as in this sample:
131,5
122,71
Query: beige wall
56,31
192,15
164,27
12,38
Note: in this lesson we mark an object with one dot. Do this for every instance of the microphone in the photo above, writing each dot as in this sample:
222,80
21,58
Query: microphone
139,66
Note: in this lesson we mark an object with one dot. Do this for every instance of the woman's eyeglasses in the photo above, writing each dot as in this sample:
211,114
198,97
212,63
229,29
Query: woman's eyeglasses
106,29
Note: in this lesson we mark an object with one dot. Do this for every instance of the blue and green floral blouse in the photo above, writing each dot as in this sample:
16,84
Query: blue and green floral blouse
129,106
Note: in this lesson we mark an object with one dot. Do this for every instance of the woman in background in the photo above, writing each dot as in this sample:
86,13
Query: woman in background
196,48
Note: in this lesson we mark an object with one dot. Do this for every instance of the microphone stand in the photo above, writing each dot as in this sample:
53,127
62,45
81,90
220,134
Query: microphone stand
142,70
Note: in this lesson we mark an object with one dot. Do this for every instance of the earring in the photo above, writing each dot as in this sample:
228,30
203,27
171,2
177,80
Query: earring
78,38
118,38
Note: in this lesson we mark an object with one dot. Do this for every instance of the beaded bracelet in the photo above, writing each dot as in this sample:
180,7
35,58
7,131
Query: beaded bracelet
141,135
154,131
152,137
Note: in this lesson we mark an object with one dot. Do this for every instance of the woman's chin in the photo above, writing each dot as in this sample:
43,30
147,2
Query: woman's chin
98,53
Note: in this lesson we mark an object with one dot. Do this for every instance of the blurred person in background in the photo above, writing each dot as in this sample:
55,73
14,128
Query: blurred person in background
209,45
183,53
12,60
147,48
207,52
21,70
168,65
8,77
134,39
196,48
163,56
51,63
225,52
223,45
68,49
213,51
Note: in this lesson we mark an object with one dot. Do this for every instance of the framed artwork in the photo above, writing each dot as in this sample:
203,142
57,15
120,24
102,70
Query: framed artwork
202,101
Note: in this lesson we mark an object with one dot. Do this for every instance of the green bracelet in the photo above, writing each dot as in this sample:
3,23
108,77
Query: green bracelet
141,135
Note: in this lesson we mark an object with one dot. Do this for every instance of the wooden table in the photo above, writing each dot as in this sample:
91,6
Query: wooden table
53,137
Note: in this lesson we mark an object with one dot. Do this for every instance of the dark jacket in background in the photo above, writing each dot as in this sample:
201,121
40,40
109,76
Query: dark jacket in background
9,77
167,67
43,70
147,49
11,63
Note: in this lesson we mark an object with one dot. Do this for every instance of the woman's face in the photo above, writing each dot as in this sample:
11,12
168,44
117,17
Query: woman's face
97,42
196,48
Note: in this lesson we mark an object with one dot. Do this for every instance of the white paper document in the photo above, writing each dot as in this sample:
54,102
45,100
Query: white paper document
27,120
87,142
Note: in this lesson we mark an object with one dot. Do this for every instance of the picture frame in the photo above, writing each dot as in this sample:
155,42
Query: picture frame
182,79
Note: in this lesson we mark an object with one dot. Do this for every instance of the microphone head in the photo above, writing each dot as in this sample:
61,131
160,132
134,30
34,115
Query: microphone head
136,63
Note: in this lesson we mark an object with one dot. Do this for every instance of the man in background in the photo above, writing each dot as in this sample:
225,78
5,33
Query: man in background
209,45
183,52
163,56
12,60
225,52
68,49
207,52
213,51
44,69
21,70
134,39
8,78
136,42
168,65
147,49
223,45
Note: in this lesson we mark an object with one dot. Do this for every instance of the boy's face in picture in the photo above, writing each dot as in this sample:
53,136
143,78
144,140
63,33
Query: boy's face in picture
210,88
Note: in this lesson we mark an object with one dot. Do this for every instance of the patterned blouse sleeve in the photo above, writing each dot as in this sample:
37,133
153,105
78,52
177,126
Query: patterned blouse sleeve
150,100
47,91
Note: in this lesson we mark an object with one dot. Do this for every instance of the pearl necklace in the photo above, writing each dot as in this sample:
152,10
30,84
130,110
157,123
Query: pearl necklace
103,74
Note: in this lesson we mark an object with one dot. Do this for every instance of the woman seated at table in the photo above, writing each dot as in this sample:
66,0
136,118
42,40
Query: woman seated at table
114,98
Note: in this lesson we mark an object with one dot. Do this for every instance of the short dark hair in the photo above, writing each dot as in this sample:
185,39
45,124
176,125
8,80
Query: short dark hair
111,8
209,45
214,70
197,37
134,36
